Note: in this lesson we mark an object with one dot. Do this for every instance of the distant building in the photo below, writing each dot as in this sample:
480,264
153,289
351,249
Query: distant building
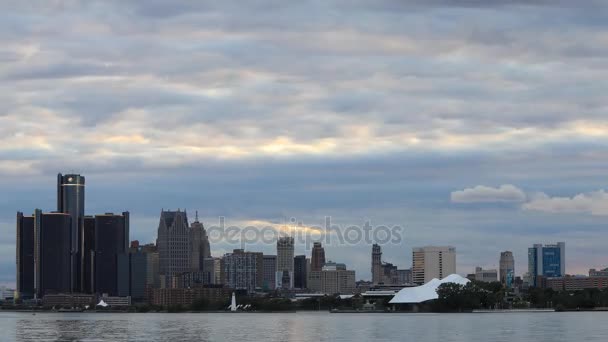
285,254
300,276
6,293
332,280
570,283
70,200
602,273
52,253
317,259
270,272
486,276
111,259
200,249
507,268
174,243
547,261
404,276
171,297
433,262
377,271
70,300
25,256
242,269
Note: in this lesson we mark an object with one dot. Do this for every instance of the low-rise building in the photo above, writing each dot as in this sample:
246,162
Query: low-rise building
170,297
486,276
115,301
332,281
569,283
71,300
601,273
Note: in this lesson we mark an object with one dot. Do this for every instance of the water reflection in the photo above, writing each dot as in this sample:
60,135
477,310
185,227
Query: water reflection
549,327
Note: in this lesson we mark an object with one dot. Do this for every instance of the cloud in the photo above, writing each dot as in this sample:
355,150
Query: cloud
483,194
594,203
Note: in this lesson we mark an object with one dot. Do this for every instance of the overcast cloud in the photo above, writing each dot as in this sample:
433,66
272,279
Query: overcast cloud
480,124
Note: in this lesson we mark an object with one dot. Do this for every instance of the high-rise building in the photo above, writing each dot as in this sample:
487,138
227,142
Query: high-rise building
88,251
70,200
317,259
300,277
241,269
376,264
507,268
270,272
174,243
285,254
546,261
433,262
25,256
52,253
111,259
200,249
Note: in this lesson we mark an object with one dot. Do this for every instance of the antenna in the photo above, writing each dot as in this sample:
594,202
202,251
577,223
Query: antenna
196,217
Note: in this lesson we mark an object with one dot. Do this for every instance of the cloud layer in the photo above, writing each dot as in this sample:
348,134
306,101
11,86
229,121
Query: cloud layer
484,194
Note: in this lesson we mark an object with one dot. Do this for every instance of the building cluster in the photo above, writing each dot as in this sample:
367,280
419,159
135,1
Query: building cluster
68,257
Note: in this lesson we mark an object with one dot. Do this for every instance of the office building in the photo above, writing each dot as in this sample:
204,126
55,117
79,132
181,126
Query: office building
486,276
70,200
241,270
300,267
507,269
52,253
88,252
433,262
111,258
576,283
270,272
200,249
404,276
547,261
285,255
332,280
25,256
174,243
317,259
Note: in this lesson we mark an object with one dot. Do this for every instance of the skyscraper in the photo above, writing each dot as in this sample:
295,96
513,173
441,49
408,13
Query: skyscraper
200,249
174,243
52,253
546,261
25,256
433,262
317,259
111,260
376,264
300,275
507,268
70,200
270,272
285,254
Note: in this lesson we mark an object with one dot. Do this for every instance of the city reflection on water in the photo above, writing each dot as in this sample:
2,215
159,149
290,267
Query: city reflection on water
321,326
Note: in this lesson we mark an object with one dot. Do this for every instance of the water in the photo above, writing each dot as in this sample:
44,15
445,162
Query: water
532,327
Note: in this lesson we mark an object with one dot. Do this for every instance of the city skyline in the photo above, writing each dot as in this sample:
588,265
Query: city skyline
478,125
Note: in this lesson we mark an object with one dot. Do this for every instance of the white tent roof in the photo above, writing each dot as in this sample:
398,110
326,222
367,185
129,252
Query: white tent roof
427,291
102,304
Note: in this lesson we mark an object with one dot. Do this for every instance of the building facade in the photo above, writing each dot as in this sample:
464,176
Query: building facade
317,259
377,271
433,262
241,270
200,249
52,253
285,254
300,275
507,268
70,200
332,281
486,276
547,261
601,273
270,272
25,256
111,259
174,243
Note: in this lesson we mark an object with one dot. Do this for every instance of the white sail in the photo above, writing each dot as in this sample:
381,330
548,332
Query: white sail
233,305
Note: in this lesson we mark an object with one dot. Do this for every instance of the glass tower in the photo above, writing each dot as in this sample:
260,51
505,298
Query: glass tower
70,200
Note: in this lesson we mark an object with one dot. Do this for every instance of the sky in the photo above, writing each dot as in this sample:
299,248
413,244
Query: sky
477,124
